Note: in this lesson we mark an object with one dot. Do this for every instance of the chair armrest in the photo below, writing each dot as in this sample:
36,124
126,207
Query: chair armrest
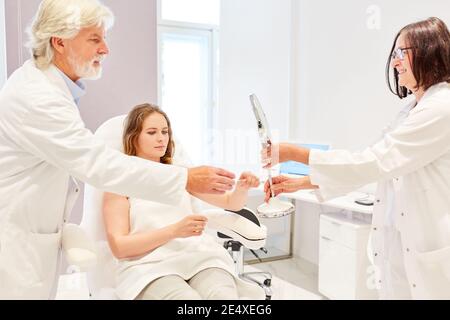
238,227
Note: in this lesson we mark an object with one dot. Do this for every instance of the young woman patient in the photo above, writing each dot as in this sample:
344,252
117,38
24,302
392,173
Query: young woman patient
162,251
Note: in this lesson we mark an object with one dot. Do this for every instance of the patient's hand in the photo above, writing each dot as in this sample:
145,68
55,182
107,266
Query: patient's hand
247,180
236,199
190,226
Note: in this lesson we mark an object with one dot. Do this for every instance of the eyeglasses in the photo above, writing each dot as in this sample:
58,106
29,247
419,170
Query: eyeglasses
399,53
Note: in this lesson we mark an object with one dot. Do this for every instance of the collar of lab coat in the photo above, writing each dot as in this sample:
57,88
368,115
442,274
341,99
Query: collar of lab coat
433,89
53,75
418,106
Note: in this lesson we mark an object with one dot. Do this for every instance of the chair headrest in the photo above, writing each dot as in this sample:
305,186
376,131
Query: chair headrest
110,132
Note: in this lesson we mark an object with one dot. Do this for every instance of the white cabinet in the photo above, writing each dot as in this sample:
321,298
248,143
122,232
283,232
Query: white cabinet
343,262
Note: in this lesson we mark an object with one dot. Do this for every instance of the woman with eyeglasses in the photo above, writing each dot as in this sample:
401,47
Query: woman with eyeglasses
410,236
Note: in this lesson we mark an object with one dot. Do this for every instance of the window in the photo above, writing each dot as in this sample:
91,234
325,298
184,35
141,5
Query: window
2,44
187,58
186,86
195,11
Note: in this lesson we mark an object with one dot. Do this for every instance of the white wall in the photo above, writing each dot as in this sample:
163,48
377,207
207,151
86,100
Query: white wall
255,40
2,44
339,90
339,94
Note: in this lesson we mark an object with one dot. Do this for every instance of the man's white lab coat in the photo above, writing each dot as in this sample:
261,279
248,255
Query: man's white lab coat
411,218
43,142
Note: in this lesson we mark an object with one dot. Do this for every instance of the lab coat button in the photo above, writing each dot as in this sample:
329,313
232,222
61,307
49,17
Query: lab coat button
375,229
402,214
414,285
376,254
407,249
378,200
76,190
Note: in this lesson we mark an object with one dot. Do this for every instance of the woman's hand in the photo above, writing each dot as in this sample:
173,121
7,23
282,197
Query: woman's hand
190,226
236,199
282,184
247,180
274,154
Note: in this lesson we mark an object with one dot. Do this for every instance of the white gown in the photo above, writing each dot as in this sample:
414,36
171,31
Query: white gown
183,256
410,237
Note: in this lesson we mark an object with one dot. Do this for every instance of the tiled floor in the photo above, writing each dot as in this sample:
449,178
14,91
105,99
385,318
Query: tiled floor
292,279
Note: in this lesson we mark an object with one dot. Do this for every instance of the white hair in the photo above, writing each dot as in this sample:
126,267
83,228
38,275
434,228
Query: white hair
63,19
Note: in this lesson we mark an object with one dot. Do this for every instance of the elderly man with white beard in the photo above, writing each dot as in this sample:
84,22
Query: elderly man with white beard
45,148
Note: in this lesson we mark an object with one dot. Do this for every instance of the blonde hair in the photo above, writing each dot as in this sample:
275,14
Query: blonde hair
63,19
133,127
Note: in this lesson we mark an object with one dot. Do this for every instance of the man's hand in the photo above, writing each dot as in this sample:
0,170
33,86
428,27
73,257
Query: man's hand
282,184
209,180
274,154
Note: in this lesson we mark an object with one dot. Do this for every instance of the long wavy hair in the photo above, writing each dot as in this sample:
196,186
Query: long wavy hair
133,127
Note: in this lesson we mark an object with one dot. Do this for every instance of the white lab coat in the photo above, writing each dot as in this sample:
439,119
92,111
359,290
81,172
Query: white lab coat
411,218
43,142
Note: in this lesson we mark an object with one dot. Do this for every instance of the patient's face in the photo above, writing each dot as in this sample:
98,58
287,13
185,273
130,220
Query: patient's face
154,138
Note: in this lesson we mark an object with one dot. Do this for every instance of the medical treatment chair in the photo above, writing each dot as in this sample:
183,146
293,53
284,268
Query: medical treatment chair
94,258
236,249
